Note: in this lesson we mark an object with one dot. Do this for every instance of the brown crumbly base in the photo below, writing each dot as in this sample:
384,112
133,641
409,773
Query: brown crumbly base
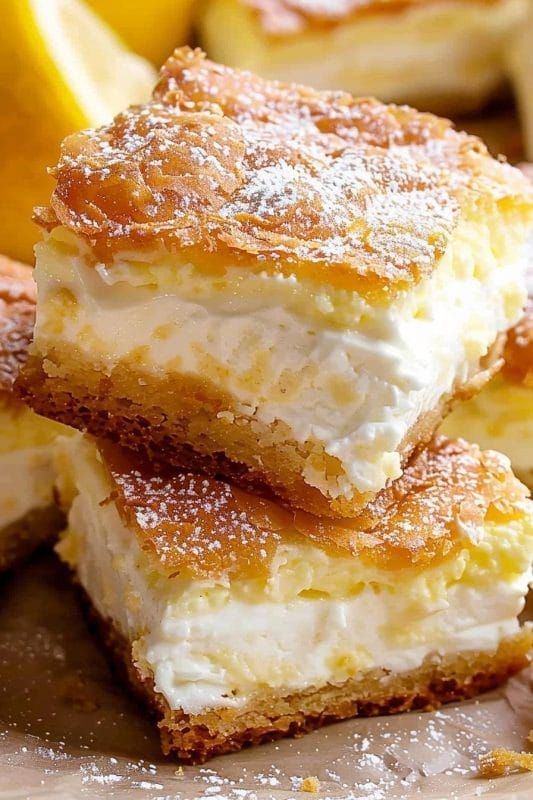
19,539
175,420
196,738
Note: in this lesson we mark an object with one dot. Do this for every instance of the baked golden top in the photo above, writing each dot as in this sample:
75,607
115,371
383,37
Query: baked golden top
18,297
288,17
190,524
234,169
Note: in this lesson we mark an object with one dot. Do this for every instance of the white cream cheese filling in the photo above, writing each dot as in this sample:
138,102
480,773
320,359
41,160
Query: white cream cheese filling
317,619
352,377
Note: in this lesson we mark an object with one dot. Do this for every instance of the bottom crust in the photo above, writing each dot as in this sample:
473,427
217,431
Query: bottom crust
19,539
196,738
177,419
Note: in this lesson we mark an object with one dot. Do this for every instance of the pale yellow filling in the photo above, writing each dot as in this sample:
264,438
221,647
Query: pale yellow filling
346,375
499,418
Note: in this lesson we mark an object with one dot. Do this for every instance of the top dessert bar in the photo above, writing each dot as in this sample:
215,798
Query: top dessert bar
284,17
283,286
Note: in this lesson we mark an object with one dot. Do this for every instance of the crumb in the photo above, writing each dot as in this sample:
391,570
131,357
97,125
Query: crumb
310,784
179,772
502,762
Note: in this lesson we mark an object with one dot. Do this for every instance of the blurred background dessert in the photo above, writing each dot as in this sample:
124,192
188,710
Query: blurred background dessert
439,55
28,513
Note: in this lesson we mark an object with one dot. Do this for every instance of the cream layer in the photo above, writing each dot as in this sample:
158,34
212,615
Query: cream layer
350,377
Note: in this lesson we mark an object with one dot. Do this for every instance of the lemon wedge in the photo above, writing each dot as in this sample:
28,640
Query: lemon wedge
62,69
153,28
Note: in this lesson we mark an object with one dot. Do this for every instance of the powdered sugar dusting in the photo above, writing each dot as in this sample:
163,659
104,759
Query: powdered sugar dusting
190,523
223,160
194,524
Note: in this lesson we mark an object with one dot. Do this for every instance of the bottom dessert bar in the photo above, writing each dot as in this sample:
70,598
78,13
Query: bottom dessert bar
195,738
28,513
238,621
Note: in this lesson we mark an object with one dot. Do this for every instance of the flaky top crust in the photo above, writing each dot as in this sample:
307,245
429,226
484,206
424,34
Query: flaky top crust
229,168
200,527
18,297
289,17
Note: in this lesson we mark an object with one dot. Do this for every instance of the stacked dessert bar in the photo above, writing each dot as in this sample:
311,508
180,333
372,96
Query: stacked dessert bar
28,512
258,301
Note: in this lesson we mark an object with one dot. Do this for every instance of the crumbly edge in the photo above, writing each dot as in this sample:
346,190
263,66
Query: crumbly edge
19,539
195,738
501,761
174,420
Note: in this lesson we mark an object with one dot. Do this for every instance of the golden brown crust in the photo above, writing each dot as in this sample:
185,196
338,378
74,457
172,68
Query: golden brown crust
233,169
193,524
17,315
196,738
291,17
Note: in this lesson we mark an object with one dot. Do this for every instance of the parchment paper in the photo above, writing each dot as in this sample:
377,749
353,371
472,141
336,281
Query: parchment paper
68,730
